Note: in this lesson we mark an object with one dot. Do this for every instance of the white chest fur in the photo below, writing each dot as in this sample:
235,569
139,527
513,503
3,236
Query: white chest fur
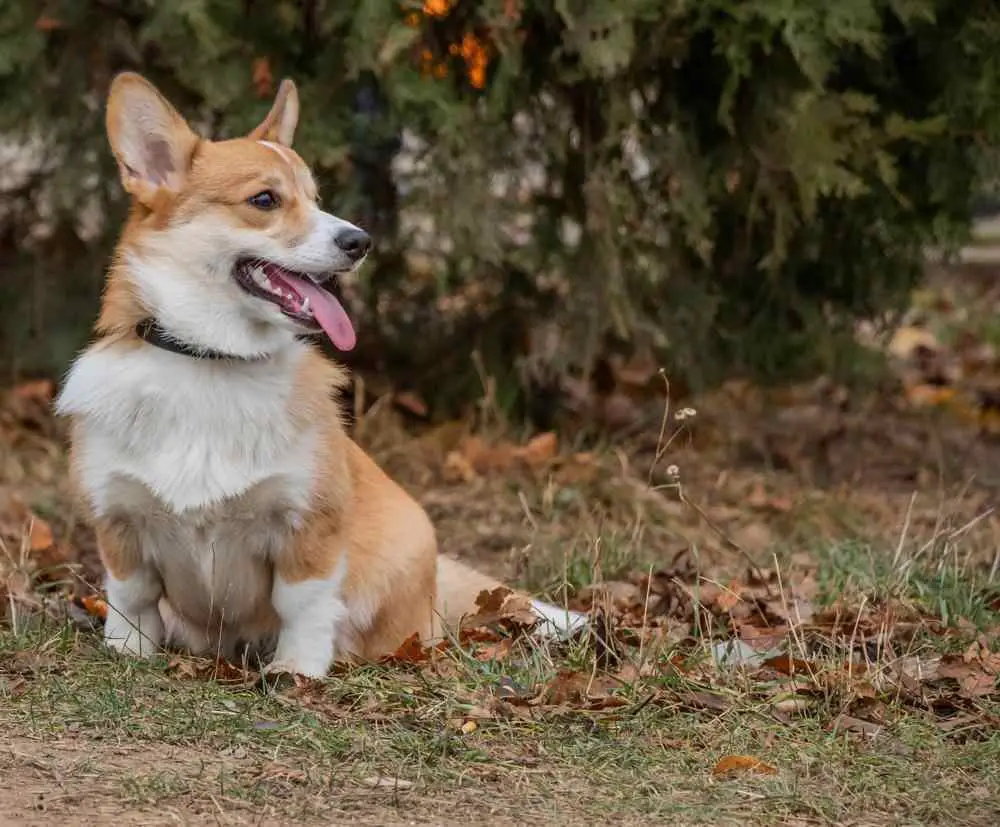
203,461
194,432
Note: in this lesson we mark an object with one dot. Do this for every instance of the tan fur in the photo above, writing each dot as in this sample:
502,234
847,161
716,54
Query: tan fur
392,563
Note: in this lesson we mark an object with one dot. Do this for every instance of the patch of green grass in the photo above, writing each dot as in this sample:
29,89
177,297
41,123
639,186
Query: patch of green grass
941,581
338,746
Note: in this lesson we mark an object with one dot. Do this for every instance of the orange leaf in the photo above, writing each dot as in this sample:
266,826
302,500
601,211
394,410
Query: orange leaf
410,650
47,24
540,449
95,606
41,535
731,764
788,665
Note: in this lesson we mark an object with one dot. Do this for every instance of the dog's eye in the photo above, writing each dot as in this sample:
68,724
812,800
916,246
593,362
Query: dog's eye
265,200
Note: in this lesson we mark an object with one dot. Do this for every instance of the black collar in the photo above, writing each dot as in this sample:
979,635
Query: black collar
150,332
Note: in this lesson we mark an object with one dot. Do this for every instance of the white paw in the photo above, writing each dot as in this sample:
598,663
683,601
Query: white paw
295,667
140,636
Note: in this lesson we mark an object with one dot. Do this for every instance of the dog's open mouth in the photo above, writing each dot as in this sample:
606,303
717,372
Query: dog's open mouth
299,297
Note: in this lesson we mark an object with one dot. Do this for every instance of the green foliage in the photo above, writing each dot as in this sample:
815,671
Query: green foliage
730,183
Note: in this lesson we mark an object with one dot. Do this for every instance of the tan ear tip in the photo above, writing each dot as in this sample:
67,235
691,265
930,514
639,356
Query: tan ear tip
124,80
126,76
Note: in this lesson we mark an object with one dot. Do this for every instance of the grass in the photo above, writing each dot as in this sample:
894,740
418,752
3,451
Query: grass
430,743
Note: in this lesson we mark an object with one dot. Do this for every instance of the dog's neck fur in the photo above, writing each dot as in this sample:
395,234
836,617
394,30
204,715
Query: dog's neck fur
193,431
155,280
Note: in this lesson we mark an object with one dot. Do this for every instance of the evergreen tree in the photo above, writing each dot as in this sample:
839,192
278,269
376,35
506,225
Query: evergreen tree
729,183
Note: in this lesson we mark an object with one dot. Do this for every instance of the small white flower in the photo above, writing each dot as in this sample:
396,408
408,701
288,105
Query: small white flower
673,471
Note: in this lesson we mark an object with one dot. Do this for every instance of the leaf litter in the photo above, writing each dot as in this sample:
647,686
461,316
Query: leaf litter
693,632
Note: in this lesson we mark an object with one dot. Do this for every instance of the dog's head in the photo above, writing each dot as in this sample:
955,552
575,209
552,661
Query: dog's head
227,246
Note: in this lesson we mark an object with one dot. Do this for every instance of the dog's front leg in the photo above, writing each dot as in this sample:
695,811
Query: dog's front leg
312,612
133,588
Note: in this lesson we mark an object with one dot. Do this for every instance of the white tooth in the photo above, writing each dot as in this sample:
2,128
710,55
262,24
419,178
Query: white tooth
305,305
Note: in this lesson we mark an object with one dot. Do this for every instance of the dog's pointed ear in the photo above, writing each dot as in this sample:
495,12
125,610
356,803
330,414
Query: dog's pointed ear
150,140
279,125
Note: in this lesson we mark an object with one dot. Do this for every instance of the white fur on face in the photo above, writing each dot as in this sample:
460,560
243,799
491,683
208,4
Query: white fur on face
184,274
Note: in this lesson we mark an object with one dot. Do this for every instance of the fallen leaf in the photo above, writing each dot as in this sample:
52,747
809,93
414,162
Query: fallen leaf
789,665
494,650
94,606
411,650
41,534
850,724
539,450
973,680
501,605
759,499
457,468
618,594
469,727
696,699
219,670
929,395
731,764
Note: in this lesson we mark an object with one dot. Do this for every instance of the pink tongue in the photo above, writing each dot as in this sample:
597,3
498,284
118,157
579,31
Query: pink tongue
328,311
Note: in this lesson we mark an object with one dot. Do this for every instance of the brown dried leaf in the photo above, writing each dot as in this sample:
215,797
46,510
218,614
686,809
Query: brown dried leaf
40,535
696,699
410,650
539,450
578,690
732,764
220,670
789,665
501,605
973,680
848,723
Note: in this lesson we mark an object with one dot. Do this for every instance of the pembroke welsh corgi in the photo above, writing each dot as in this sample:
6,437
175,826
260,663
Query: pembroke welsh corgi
233,512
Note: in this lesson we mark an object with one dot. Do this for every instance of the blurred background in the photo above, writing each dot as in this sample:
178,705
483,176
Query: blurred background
782,210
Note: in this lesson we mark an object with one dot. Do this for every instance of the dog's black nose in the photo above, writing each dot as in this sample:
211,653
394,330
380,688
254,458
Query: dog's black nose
356,243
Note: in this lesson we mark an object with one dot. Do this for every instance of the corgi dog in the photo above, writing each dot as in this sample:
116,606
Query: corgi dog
233,511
